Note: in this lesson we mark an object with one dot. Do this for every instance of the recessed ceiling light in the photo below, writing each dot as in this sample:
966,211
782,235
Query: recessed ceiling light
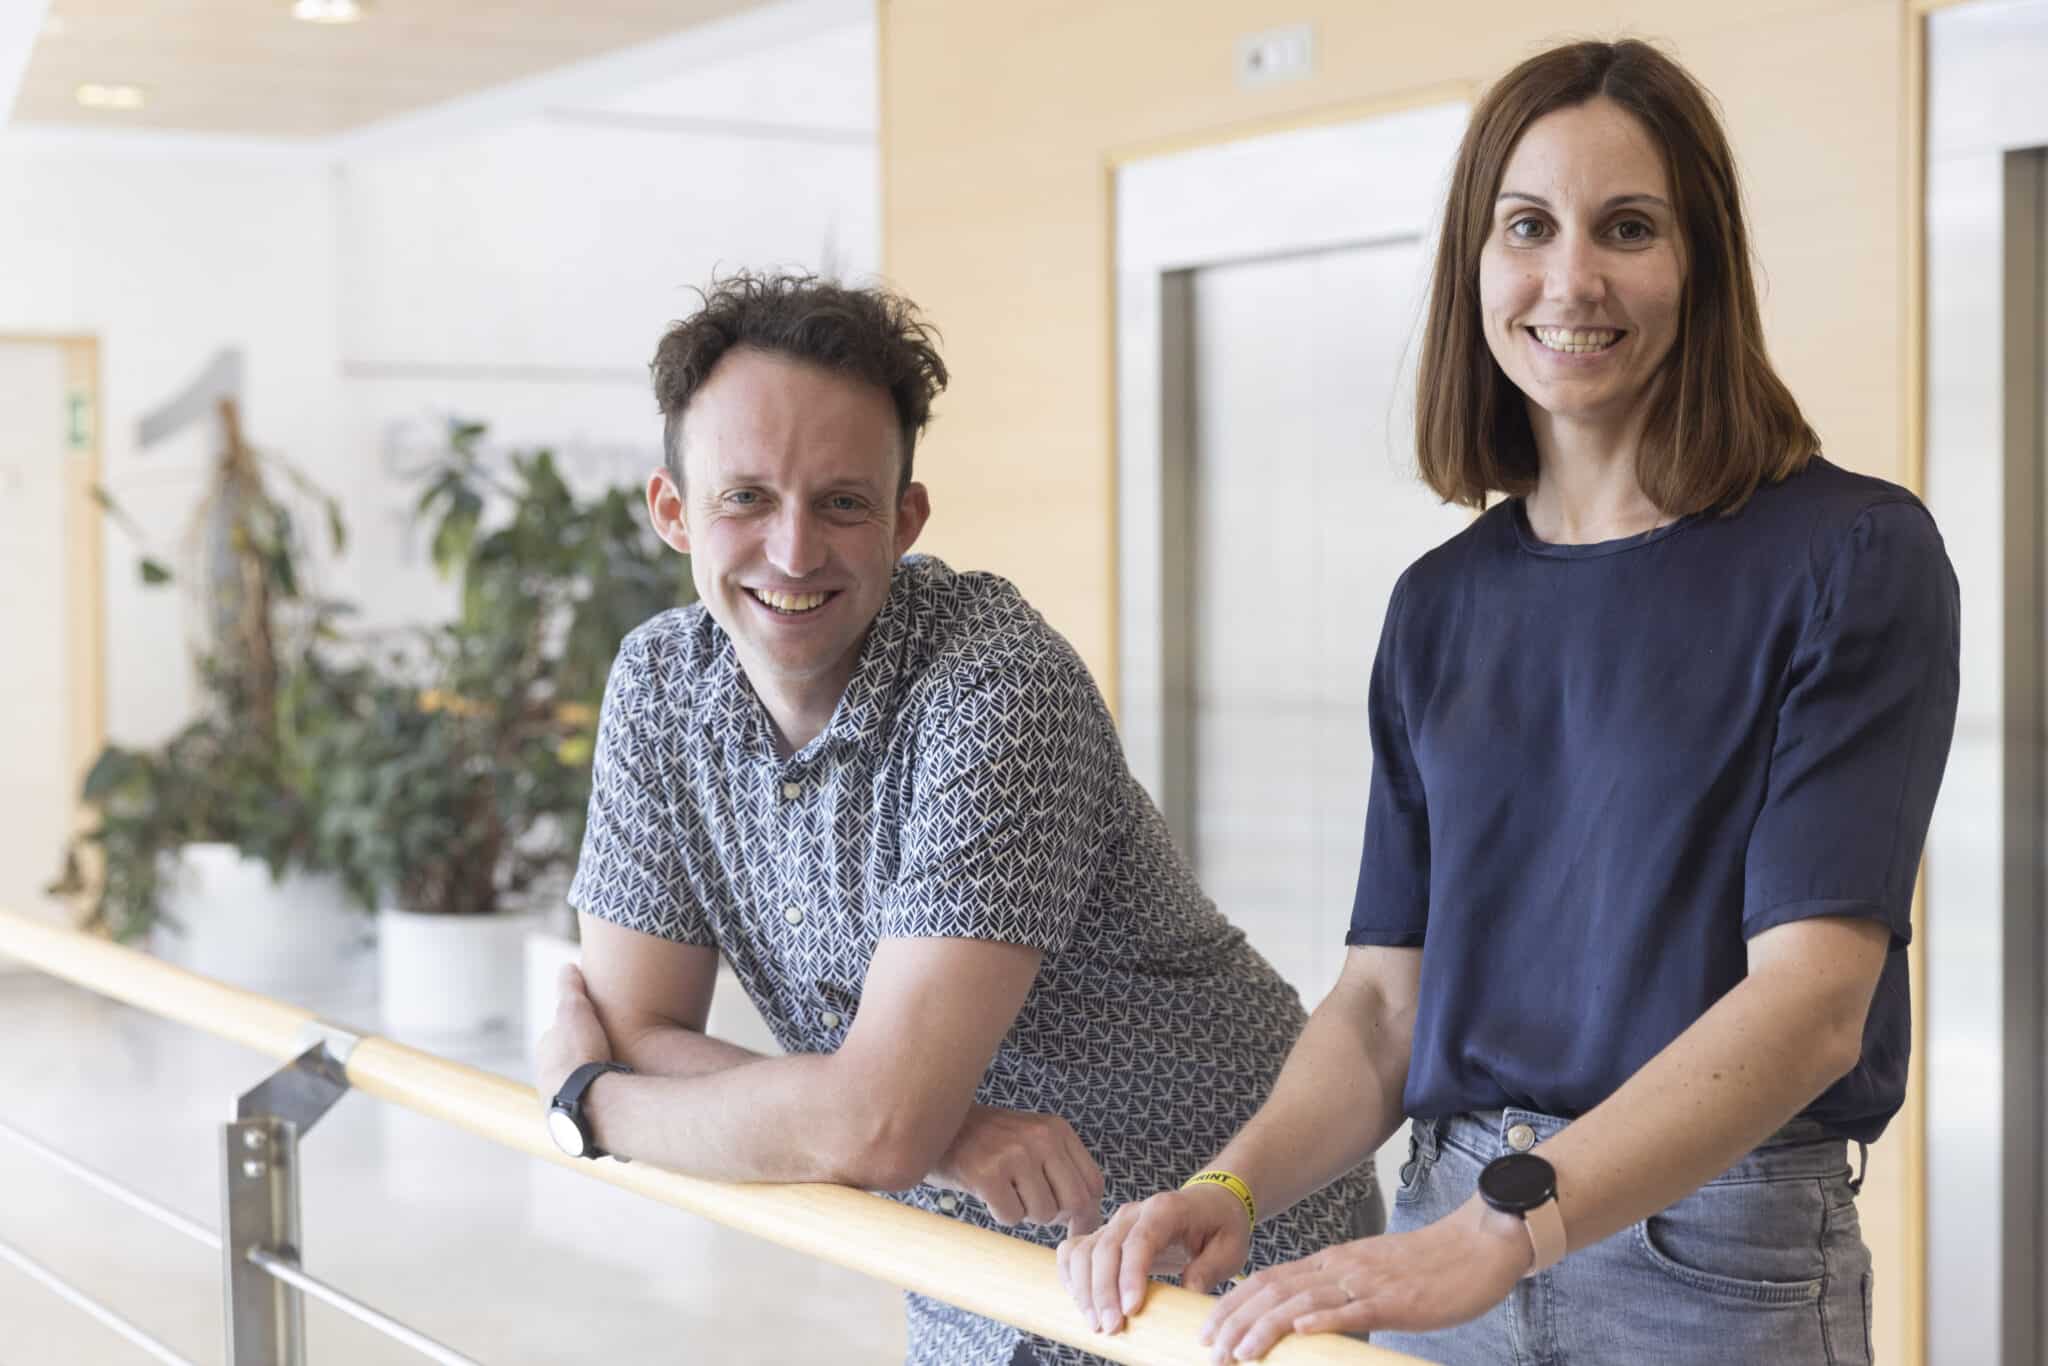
327,11
96,96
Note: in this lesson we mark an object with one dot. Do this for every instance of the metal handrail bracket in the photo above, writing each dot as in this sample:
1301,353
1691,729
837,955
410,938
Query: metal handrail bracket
260,1205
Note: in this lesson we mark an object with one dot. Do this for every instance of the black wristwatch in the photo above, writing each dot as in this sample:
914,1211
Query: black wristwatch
566,1124
1525,1185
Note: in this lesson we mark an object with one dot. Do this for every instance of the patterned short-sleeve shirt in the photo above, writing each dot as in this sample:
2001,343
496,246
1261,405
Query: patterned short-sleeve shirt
969,785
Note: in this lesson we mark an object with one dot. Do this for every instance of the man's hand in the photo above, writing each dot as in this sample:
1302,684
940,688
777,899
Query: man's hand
1023,1167
1202,1233
1442,1274
575,1038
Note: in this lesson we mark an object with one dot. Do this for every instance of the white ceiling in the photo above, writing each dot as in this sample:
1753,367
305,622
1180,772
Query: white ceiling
20,25
246,68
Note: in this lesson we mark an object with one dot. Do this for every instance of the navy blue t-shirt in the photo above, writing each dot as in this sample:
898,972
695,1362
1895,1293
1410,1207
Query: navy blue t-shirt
1598,770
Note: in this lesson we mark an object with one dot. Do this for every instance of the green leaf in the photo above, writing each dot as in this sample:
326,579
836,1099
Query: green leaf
107,773
284,572
457,531
153,571
435,490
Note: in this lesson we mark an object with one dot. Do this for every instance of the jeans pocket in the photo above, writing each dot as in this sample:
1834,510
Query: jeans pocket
1757,1242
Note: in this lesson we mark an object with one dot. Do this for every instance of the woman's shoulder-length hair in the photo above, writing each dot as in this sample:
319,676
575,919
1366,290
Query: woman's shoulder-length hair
1720,421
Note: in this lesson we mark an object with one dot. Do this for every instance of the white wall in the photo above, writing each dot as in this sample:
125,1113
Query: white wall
168,249
522,273
512,258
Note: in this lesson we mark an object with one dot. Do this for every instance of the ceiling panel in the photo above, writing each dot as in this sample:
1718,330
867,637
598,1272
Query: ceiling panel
247,67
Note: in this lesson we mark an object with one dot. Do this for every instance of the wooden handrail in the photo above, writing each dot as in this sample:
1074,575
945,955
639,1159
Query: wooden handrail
984,1272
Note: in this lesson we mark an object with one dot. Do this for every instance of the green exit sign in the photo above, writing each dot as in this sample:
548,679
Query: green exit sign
78,413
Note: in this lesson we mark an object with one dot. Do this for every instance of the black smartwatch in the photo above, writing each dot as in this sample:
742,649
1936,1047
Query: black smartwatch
566,1124
1525,1185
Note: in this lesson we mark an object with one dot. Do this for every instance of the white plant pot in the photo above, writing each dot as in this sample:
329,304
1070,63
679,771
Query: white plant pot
452,982
298,938
546,953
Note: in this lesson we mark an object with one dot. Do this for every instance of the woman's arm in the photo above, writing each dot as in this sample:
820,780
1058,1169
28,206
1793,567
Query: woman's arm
1336,1101
1760,1055
1752,1062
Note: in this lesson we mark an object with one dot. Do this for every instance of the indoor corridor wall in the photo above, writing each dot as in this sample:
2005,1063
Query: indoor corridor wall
1001,129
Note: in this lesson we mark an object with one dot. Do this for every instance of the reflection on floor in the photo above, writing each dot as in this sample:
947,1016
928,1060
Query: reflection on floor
504,1259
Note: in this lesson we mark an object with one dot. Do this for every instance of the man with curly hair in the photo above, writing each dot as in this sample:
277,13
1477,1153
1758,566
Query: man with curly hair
890,796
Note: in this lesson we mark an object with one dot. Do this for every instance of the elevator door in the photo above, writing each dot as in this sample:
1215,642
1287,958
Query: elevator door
37,778
1304,508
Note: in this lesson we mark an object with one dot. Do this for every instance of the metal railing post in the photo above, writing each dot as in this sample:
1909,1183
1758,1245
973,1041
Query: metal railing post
260,1200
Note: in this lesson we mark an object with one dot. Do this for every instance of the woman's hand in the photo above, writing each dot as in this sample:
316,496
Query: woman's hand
1443,1274
1202,1233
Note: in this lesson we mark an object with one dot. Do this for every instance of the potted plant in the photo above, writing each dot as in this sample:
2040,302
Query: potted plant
467,767
209,844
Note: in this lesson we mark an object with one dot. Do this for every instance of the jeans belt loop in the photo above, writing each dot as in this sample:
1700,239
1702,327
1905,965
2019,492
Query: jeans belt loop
1427,1136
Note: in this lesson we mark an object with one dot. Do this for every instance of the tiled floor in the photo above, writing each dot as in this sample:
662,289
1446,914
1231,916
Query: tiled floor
501,1258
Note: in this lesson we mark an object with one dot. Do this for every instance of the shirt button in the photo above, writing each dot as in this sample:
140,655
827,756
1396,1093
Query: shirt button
1521,1138
791,791
793,914
948,1202
830,1019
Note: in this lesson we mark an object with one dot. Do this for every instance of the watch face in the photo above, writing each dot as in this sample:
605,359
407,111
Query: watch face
568,1135
1517,1183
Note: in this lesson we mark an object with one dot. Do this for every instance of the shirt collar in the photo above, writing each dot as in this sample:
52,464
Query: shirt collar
733,713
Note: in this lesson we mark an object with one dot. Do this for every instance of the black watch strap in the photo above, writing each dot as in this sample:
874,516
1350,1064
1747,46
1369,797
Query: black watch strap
569,1100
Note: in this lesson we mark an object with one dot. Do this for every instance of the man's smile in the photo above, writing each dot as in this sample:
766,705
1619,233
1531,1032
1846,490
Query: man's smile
790,604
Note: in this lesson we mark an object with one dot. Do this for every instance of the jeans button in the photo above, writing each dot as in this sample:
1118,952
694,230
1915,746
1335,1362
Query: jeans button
1521,1138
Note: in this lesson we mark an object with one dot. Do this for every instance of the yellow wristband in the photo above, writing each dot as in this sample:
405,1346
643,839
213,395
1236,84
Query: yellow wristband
1230,1183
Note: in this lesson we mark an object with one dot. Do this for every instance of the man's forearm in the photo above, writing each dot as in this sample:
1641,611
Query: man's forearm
1336,1101
795,1118
670,1050
877,1111
1738,1073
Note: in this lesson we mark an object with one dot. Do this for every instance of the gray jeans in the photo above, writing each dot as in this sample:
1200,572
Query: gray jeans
1764,1263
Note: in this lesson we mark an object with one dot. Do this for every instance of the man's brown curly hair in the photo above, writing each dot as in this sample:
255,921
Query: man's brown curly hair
870,335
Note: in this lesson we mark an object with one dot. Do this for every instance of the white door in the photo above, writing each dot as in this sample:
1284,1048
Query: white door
1305,508
1268,291
37,780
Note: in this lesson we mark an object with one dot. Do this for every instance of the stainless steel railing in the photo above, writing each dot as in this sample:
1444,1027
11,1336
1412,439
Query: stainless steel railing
264,1285
260,1185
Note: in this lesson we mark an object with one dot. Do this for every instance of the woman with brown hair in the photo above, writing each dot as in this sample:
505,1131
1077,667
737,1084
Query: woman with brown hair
1655,744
